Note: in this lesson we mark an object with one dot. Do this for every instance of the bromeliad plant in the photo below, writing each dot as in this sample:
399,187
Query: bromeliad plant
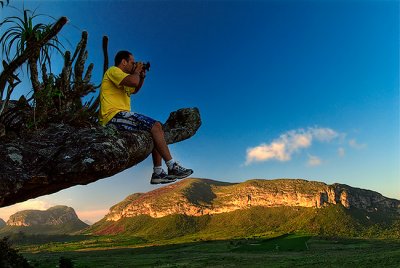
4,2
23,35
55,97
22,42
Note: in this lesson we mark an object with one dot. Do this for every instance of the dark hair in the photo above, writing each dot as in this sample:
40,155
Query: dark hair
121,55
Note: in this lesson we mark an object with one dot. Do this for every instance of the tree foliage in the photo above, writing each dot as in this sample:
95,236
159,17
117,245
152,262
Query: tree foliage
9,257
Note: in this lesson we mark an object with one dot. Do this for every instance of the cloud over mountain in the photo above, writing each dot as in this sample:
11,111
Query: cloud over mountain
354,144
293,141
313,161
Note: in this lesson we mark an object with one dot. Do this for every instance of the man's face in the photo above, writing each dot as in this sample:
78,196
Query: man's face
129,64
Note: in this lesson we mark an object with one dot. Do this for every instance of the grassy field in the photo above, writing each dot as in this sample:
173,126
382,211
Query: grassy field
294,250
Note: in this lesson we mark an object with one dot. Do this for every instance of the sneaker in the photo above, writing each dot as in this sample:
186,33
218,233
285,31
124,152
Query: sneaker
162,178
179,172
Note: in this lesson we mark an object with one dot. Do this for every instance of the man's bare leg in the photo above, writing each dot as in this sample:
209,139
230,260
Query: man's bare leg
160,145
161,151
157,159
159,176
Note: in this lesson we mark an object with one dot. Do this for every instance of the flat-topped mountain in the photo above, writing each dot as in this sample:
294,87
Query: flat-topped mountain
53,216
55,220
208,209
197,197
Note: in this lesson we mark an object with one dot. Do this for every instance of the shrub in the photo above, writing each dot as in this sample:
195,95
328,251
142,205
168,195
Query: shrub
65,263
9,257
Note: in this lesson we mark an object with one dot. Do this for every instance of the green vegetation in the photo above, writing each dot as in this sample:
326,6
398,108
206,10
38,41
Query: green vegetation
257,237
55,98
65,228
284,251
9,257
72,243
332,236
334,220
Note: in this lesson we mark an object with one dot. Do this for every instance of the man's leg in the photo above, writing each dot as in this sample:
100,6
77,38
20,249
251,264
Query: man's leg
159,142
133,122
174,169
159,175
157,159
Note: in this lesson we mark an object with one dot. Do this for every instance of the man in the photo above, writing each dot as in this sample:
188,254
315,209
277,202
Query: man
119,82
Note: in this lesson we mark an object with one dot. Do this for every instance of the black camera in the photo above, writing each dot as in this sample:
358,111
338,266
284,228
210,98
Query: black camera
146,66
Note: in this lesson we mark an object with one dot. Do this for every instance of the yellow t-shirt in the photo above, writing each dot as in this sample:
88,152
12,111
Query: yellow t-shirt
114,98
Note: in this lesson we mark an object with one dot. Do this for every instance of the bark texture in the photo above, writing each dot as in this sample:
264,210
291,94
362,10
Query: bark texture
63,155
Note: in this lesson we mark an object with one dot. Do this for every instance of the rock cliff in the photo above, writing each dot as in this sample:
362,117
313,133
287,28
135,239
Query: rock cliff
64,155
197,197
58,215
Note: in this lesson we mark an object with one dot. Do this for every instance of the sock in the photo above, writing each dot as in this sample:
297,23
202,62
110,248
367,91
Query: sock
170,163
157,170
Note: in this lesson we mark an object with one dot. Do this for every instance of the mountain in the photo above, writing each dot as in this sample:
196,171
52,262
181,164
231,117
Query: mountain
88,222
204,208
55,220
197,197
2,223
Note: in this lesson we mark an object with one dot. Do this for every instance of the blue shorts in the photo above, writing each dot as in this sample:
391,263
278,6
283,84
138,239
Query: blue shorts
132,121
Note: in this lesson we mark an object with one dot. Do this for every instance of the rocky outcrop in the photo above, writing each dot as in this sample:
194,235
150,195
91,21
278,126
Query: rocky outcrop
62,155
58,215
197,197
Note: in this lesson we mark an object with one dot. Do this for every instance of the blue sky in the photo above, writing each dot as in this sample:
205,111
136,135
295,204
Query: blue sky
286,89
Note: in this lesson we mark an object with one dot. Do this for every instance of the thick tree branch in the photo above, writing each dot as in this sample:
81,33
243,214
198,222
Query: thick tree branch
62,156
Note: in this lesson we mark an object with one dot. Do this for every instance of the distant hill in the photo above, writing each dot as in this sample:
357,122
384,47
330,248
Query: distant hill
55,220
2,223
88,222
206,209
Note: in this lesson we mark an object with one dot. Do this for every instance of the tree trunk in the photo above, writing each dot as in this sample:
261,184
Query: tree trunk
62,155
32,62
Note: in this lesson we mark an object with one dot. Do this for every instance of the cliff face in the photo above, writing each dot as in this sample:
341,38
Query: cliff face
197,197
54,216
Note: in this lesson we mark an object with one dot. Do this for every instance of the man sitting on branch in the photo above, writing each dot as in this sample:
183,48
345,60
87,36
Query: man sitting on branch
119,82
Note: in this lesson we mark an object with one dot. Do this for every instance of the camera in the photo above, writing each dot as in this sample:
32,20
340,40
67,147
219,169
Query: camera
146,66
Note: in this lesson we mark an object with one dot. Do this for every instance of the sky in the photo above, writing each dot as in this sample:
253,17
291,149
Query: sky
286,89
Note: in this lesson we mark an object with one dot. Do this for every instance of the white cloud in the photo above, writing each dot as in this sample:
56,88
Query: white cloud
353,143
341,152
288,143
324,134
313,161
266,152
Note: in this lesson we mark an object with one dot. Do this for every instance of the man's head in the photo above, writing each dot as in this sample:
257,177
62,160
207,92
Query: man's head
124,60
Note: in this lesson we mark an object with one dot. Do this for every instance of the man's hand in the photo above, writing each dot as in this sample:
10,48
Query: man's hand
137,68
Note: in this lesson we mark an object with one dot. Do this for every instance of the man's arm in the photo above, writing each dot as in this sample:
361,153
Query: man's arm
134,79
131,80
141,77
